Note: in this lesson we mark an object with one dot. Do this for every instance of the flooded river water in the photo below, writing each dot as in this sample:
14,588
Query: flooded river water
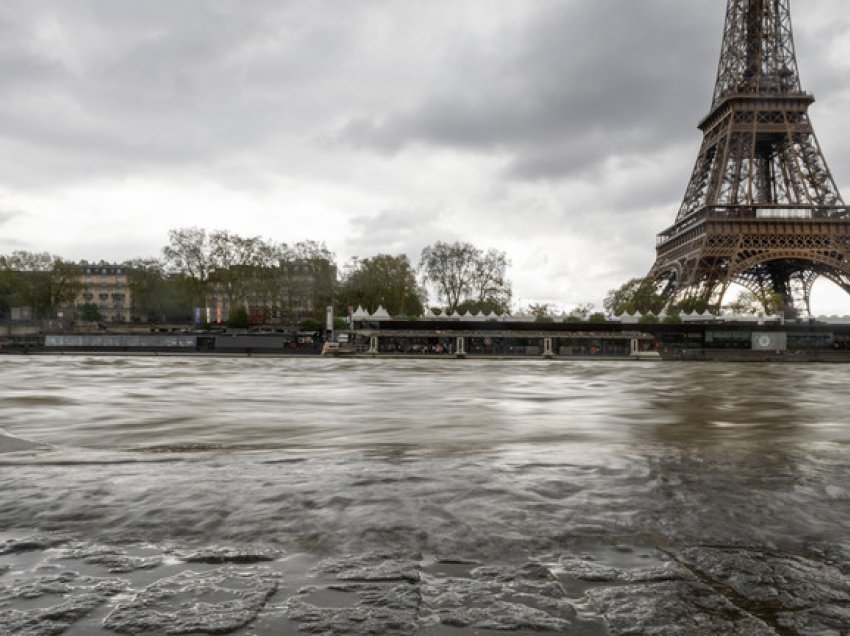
163,495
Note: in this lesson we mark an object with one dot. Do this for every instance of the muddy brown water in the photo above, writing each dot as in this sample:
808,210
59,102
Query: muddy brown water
275,496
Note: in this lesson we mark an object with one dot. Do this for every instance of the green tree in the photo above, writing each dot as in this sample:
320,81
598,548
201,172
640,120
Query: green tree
638,295
597,317
38,280
461,272
690,305
579,312
749,302
386,281
484,307
239,318
89,313
542,312
311,324
157,295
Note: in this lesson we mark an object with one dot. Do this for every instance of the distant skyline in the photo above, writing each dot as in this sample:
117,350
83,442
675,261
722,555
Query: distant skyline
561,132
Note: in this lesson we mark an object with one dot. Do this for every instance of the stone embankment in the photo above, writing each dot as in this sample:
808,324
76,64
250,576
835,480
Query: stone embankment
52,585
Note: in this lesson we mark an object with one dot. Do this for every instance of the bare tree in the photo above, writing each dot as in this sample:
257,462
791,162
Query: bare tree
308,275
490,285
464,275
451,269
189,253
239,263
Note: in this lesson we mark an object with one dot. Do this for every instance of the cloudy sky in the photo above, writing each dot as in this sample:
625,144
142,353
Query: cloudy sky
560,131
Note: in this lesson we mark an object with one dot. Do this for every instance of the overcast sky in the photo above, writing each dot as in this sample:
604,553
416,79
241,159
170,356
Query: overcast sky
560,131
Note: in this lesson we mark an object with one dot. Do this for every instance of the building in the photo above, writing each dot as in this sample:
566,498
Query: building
295,290
106,287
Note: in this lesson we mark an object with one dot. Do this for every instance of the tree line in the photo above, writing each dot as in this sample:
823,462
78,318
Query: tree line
38,280
640,296
200,268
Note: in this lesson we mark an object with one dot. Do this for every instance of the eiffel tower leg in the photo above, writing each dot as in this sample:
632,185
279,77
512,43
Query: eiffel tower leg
704,288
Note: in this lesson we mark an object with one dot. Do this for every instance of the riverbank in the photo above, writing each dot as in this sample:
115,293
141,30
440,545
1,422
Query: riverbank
712,341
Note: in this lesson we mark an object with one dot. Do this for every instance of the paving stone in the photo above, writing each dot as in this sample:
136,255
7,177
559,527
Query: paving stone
76,597
673,608
372,566
29,544
799,594
378,609
115,560
218,601
230,554
591,570
498,598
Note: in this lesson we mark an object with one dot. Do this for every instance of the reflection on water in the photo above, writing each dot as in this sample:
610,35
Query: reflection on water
335,452
136,403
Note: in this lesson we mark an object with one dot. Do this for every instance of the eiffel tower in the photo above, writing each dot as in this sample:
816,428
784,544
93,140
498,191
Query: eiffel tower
761,209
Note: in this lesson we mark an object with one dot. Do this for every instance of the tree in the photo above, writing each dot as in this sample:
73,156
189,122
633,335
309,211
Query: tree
542,312
38,280
690,305
749,302
579,313
597,317
90,313
159,295
490,286
239,318
229,270
461,272
240,264
189,253
383,280
484,307
635,296
308,279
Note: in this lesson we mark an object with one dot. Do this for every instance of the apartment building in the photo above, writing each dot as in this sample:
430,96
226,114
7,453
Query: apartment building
105,285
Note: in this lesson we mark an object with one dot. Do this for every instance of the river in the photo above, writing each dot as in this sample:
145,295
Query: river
263,496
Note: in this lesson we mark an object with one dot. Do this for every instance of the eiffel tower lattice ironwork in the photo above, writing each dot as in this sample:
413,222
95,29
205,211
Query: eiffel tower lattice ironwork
761,209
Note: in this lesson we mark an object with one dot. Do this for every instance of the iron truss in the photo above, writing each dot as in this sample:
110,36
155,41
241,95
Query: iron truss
761,208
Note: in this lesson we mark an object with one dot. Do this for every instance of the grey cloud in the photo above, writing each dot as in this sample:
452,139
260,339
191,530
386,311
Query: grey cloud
8,215
397,231
578,83
118,86
157,85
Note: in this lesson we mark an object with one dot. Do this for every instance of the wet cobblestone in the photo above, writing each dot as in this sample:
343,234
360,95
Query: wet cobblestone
76,588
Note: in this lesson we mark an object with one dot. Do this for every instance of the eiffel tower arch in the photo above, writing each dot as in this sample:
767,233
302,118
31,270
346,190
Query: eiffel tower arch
761,208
